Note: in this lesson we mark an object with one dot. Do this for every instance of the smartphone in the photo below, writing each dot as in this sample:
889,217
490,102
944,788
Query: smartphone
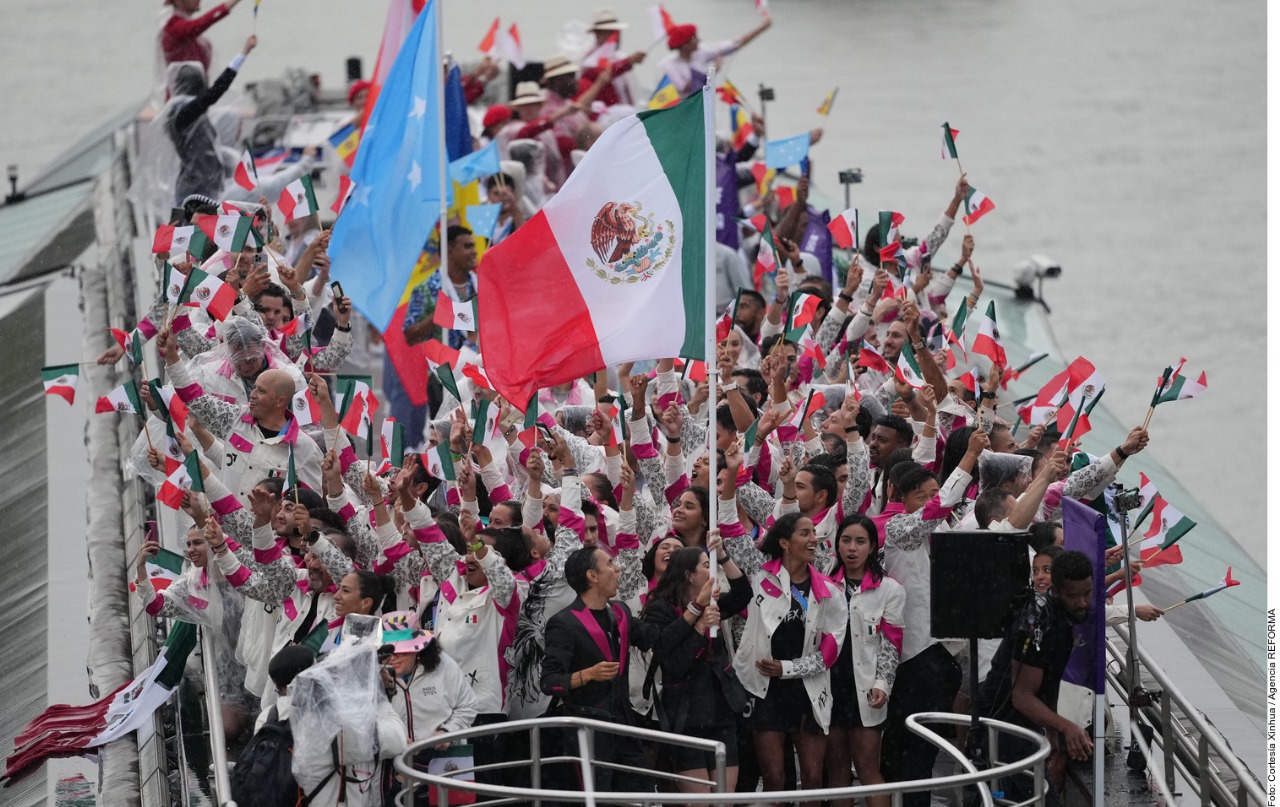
260,261
337,289
546,433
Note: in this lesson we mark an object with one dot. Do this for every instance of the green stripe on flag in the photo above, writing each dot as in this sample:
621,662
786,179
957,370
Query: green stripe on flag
181,641
131,390
168,560
678,137
193,470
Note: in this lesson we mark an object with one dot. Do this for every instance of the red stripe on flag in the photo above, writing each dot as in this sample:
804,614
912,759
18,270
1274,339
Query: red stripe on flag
525,283
409,361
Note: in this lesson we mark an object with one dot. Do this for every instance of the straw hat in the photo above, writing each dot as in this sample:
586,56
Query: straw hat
606,20
528,92
558,65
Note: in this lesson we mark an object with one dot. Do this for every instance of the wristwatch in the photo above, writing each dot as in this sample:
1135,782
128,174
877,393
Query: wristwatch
730,387
987,395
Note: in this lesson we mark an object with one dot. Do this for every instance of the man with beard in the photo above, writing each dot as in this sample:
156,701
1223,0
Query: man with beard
1022,687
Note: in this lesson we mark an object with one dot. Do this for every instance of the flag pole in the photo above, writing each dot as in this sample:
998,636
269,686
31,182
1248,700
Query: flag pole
1164,380
709,303
442,168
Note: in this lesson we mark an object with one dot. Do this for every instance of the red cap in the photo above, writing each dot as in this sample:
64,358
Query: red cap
355,88
680,34
496,114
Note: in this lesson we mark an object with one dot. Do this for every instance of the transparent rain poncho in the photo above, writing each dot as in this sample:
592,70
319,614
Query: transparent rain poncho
242,340
338,694
995,469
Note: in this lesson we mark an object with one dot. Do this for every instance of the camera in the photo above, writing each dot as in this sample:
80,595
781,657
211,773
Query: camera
851,176
1035,269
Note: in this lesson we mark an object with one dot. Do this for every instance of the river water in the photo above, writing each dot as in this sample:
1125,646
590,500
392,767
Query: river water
1126,141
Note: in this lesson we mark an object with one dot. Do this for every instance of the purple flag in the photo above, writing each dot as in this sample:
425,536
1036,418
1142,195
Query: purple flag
727,211
1085,530
817,239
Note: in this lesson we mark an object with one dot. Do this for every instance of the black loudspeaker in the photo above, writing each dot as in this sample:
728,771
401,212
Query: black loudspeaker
976,580
354,69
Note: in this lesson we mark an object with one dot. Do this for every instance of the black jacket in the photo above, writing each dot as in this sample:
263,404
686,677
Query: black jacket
575,641
699,686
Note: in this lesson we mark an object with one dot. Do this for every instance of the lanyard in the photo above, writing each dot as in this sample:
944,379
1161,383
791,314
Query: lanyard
800,597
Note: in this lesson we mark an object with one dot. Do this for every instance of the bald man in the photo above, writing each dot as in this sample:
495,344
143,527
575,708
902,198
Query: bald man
257,436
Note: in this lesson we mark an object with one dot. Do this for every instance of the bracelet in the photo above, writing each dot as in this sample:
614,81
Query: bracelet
693,608
675,439
958,268
909,398
851,430
870,312
1123,454
848,298
730,387
569,472
343,328
220,549
987,394
477,546
723,559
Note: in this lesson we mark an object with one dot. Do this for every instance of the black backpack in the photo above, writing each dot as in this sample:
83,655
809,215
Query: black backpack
263,776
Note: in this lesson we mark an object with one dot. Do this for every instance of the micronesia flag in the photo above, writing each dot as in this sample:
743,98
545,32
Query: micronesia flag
396,202
786,152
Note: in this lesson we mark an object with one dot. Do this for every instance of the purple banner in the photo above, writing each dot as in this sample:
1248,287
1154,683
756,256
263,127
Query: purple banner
727,211
817,239
1085,530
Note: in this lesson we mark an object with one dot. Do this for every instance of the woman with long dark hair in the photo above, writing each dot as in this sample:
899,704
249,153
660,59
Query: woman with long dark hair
701,695
863,674
796,622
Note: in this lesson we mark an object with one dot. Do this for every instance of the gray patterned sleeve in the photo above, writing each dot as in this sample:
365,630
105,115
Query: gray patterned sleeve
859,482
218,416
332,356
408,570
269,583
337,564
757,502
193,343
502,582
693,434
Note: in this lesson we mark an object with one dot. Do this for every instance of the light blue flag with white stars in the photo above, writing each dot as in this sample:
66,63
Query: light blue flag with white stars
786,152
483,218
477,164
397,199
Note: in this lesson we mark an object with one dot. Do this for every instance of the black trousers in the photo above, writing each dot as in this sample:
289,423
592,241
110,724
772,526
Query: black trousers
927,682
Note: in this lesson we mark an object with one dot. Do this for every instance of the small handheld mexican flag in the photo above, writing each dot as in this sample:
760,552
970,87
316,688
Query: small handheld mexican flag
230,232
871,359
208,292
987,342
767,256
790,430
246,172
123,398
440,361
749,437
844,229
291,473
439,462
907,370
172,410
616,410
454,315
172,238
393,443
61,379
476,374
724,325
890,221
976,205
484,423
130,343
306,410
800,315
163,568
949,142
1159,542
356,403
185,477
298,199
1179,387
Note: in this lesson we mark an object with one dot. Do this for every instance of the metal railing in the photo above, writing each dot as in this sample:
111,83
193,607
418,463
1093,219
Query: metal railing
1185,739
586,729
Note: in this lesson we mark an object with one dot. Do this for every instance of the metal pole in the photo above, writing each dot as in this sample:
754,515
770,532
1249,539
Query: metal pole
443,167
588,775
1099,731
217,738
1167,742
1133,618
722,782
535,754
709,308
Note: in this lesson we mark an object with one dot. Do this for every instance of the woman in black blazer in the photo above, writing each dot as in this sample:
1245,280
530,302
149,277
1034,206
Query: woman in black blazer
700,696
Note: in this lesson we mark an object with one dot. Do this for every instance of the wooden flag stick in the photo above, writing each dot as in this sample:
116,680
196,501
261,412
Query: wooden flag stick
1175,605
963,204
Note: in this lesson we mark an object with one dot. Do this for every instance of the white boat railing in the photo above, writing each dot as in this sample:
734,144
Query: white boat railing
983,781
1184,739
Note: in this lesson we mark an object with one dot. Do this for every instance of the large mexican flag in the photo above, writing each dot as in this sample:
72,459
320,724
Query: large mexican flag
613,268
